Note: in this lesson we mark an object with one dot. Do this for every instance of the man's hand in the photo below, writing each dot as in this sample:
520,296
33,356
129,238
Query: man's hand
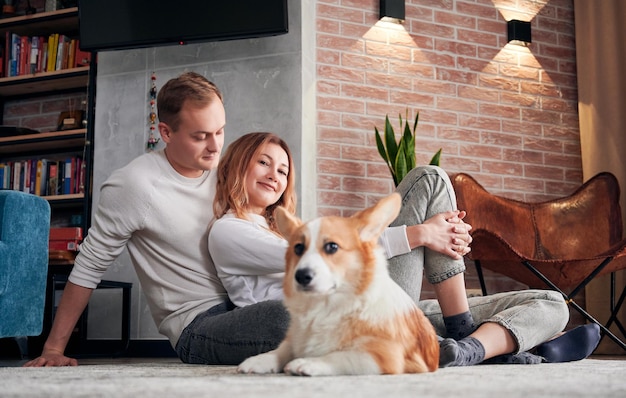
51,358
73,303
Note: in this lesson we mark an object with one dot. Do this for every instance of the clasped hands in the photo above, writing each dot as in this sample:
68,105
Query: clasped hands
445,233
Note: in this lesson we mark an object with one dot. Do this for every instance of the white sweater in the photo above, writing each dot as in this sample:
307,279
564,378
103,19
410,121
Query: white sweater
250,259
162,218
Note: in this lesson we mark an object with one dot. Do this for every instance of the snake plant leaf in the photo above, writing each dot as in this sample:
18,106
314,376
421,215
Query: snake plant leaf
382,151
436,159
409,146
417,116
381,148
390,141
401,167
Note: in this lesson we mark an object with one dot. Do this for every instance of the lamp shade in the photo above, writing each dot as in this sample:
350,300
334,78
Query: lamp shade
392,9
518,31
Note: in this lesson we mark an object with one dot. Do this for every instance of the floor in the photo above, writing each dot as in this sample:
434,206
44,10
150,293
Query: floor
133,377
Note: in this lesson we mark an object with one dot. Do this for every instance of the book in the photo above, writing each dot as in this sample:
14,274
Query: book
26,171
75,163
6,180
66,233
41,185
24,63
43,54
7,53
71,245
62,42
53,178
60,176
32,168
67,176
71,55
53,42
81,177
17,176
15,54
34,55
82,58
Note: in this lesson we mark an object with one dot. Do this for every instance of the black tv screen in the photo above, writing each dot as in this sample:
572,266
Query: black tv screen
123,24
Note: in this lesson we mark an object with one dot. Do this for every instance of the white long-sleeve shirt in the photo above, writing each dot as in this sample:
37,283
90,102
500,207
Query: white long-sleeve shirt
163,219
250,259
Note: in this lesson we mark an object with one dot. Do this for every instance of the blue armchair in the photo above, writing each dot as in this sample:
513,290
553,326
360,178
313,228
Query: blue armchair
24,231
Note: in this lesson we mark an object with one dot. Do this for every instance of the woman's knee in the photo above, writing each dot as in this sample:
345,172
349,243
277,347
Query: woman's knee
419,172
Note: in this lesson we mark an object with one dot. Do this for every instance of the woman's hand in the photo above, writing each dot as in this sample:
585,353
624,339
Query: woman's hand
445,233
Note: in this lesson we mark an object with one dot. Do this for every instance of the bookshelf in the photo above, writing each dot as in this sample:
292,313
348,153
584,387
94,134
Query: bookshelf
39,81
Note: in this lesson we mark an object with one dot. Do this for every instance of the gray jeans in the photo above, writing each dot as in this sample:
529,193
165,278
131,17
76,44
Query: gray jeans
227,335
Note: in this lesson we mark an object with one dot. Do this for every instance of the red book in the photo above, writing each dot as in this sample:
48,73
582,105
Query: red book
53,178
7,54
71,245
24,64
66,233
81,58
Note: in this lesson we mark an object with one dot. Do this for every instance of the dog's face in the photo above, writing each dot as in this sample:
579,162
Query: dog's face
334,254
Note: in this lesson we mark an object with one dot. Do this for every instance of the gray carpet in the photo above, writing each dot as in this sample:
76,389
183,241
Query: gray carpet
165,378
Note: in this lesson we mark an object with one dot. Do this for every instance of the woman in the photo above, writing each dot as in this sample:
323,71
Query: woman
256,174
256,178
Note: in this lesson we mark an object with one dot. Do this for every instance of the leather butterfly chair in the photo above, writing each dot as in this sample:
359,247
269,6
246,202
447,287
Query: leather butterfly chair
562,243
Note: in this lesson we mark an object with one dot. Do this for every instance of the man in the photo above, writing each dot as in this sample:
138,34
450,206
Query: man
159,207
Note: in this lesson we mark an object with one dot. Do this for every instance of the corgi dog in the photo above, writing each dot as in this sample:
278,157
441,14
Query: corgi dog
347,316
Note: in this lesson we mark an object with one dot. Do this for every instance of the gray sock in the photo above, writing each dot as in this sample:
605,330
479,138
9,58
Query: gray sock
465,352
522,358
460,325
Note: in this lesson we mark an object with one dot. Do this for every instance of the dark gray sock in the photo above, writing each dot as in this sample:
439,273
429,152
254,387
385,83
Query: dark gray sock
465,352
522,358
460,325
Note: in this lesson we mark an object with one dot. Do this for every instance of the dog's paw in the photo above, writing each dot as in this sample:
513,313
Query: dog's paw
263,363
308,367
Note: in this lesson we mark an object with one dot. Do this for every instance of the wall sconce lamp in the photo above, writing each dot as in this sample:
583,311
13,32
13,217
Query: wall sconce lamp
392,10
518,32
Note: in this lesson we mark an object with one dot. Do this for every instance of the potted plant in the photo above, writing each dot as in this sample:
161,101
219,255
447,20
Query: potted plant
400,156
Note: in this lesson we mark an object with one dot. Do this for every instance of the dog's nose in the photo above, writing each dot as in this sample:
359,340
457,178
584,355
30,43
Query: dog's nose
304,276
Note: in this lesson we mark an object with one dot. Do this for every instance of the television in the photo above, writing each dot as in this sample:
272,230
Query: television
124,24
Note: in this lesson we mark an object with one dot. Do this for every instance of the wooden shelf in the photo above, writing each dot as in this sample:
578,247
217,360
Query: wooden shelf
68,197
45,82
43,23
42,141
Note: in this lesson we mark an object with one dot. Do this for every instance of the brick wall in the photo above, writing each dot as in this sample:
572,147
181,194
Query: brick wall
41,113
505,114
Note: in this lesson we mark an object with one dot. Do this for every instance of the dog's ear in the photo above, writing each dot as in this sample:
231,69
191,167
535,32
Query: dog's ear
376,218
286,222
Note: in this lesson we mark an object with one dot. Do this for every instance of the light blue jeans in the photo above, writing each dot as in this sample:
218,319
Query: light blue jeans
227,335
531,316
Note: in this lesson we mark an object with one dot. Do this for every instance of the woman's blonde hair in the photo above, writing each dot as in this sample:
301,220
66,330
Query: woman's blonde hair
231,193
